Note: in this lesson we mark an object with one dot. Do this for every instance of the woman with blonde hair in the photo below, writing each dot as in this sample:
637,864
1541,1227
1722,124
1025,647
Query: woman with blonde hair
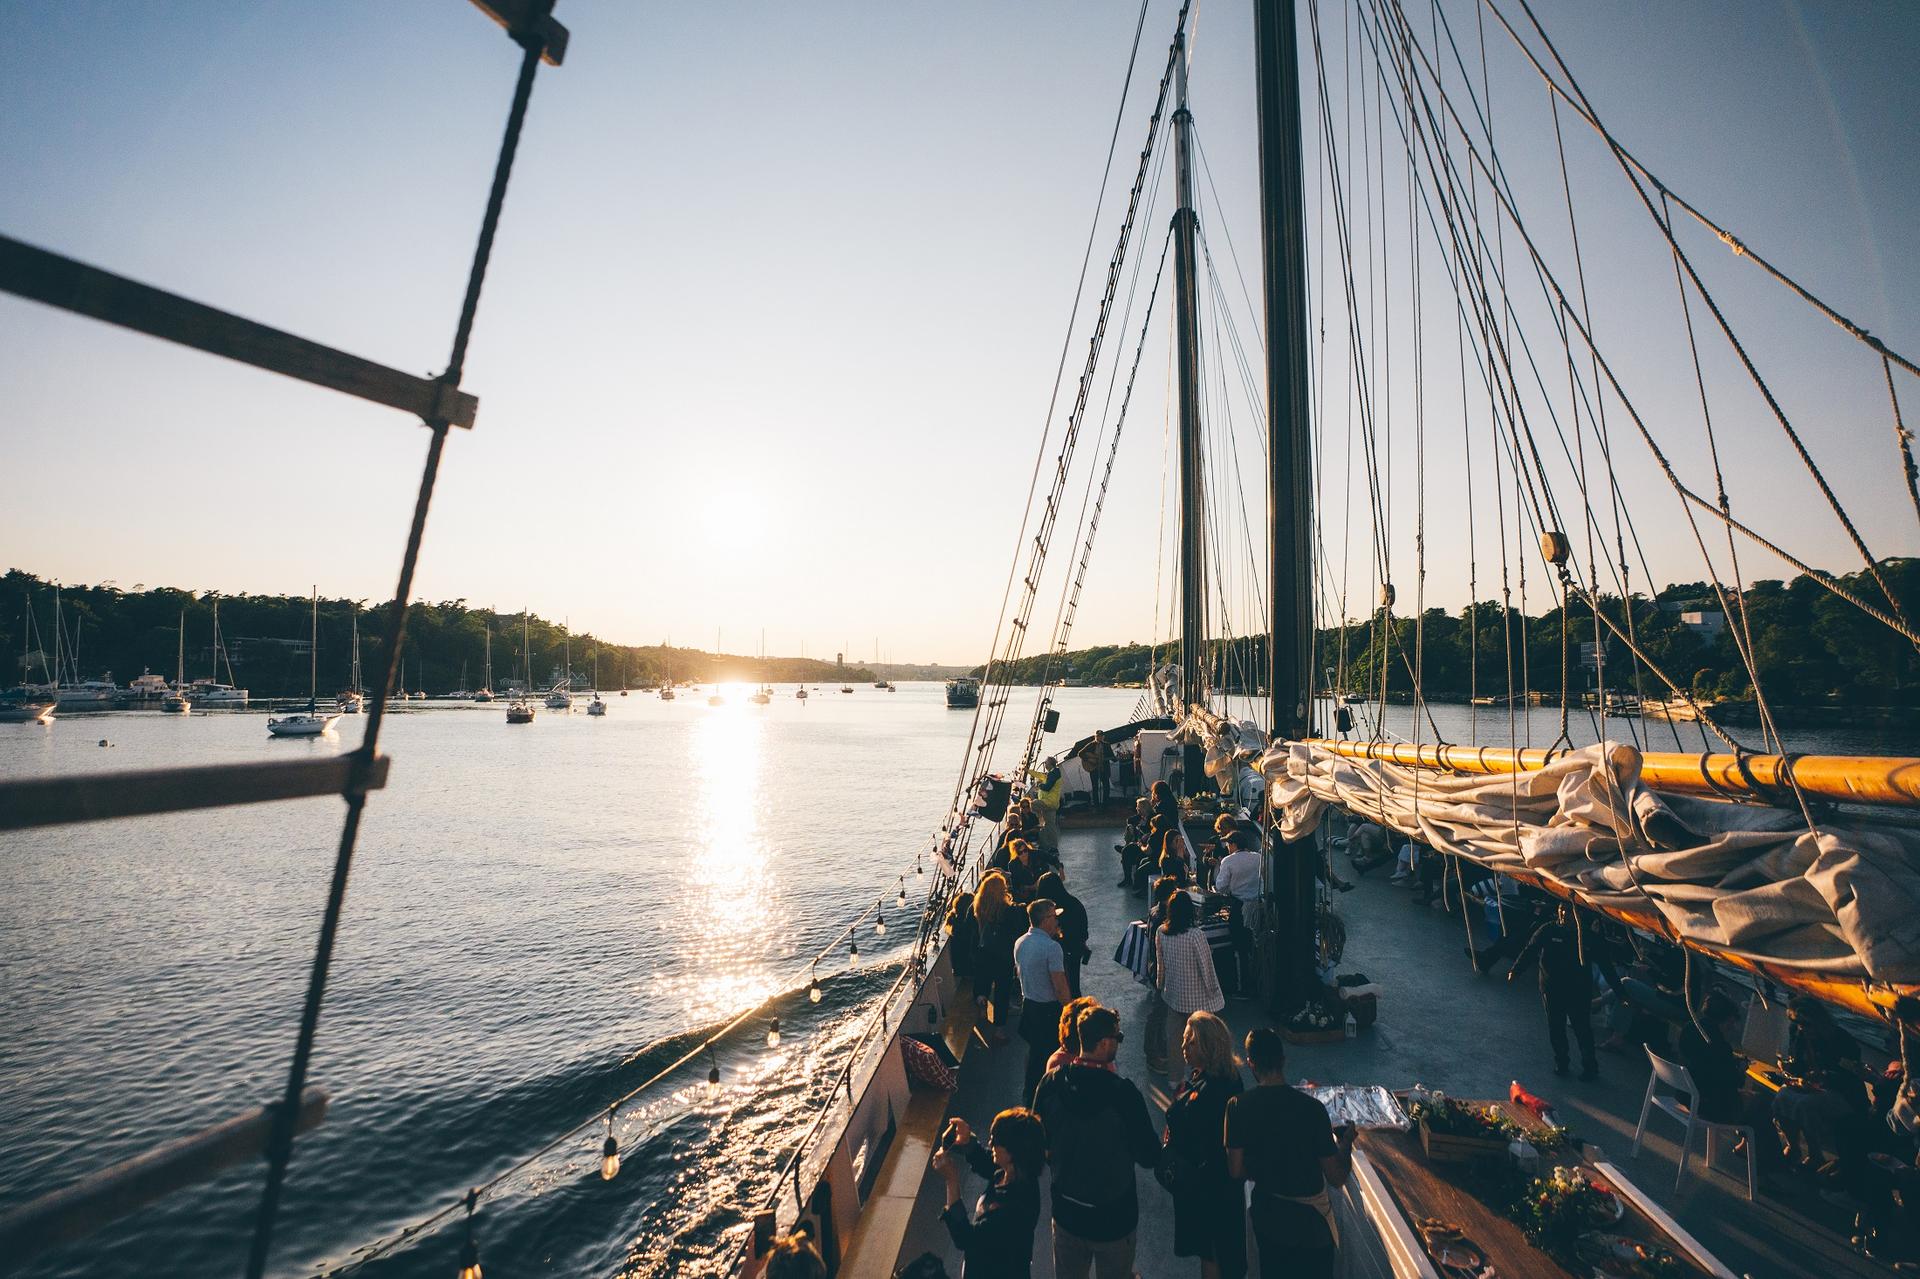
998,924
1207,1217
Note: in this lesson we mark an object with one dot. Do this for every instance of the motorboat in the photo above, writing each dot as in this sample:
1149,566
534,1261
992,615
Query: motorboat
351,703
559,700
666,692
761,696
87,694
208,695
963,691
801,692
178,704
519,711
596,706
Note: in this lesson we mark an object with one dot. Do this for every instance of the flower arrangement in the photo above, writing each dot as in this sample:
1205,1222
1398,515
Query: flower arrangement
1556,1211
1443,1115
1313,1016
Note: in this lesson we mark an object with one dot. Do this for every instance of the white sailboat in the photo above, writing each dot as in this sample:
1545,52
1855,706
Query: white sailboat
208,693
27,704
176,701
596,706
520,709
310,722
354,700
485,692
560,698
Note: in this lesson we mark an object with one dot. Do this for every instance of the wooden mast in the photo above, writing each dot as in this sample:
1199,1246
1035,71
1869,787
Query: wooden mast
1193,564
1289,479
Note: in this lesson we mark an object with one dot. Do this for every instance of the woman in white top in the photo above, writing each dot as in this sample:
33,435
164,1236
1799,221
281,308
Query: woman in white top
1184,970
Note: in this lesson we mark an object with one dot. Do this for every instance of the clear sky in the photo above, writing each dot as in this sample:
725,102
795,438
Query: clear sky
780,291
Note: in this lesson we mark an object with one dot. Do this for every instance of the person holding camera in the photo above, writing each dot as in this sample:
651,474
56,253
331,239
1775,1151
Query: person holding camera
997,1240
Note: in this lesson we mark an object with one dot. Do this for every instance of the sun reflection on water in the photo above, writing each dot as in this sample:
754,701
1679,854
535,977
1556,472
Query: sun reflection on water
729,864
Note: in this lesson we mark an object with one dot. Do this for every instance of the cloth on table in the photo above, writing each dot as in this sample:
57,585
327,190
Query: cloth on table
1135,951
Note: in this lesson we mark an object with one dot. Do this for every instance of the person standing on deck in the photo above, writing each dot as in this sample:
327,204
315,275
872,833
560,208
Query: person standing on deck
996,929
1566,988
1050,785
1041,963
1073,925
1098,1131
1209,1221
1184,969
1284,1142
1097,758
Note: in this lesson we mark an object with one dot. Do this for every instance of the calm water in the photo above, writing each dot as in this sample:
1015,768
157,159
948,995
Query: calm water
539,917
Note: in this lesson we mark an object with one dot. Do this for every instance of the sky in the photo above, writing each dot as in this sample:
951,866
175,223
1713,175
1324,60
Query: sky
780,294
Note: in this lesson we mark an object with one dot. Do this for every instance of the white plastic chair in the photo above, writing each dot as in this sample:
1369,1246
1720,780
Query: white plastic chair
1676,1078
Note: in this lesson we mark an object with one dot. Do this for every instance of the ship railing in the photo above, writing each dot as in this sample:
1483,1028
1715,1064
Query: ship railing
41,275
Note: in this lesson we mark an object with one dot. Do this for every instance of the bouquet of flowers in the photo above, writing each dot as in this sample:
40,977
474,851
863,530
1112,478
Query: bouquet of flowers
1448,1117
1556,1211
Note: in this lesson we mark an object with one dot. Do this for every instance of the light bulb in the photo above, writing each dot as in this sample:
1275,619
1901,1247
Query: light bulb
853,954
469,1261
880,924
814,992
773,1034
902,898
918,869
713,1079
609,1159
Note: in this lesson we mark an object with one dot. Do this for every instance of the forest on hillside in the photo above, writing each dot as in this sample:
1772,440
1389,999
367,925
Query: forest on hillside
1809,646
104,630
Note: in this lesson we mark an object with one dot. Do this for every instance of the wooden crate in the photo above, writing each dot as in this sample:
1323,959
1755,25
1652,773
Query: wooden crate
1449,1148
1331,1035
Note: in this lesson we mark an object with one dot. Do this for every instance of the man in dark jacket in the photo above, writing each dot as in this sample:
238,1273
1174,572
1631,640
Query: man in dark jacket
1098,1130
1073,925
1565,987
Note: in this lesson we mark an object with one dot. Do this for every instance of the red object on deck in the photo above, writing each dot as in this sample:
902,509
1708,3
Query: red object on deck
1537,1106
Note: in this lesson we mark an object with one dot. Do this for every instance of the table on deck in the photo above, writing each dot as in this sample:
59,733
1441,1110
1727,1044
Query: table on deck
1135,950
1399,1185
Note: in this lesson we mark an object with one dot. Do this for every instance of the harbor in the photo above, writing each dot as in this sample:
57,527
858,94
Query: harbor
1503,644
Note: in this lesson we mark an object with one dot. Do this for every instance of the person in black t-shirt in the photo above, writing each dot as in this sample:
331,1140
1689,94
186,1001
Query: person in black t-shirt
1283,1141
1209,1221
998,1239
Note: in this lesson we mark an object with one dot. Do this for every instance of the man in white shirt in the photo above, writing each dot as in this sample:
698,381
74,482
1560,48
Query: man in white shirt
1237,878
1238,875
1041,963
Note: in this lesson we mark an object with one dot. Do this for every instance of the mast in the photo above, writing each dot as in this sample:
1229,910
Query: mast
180,655
313,654
1289,491
1193,567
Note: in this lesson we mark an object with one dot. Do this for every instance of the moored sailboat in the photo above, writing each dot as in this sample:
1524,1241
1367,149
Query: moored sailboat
310,722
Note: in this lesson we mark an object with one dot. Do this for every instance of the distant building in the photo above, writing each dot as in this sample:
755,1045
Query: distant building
1707,624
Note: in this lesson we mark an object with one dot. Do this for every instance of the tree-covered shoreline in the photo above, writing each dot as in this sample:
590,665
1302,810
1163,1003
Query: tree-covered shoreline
1810,648
127,632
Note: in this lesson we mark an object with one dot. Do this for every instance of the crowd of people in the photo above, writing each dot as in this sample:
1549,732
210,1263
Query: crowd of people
1021,935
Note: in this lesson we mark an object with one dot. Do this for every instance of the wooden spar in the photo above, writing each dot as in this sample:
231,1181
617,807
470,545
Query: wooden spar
1866,779
1851,779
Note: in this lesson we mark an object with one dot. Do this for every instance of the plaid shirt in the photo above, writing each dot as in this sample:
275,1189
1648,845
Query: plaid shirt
1188,982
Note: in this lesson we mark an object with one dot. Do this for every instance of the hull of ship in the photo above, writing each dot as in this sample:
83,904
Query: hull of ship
301,725
27,713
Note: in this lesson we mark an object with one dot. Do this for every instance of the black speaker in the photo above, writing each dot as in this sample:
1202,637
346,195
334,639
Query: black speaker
1051,723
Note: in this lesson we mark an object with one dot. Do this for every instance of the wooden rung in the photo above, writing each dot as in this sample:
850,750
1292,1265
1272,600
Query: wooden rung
111,1193
41,275
93,797
526,23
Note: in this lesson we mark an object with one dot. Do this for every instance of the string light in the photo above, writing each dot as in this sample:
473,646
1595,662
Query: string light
853,953
773,1033
609,1152
813,988
470,1250
713,1071
879,918
902,899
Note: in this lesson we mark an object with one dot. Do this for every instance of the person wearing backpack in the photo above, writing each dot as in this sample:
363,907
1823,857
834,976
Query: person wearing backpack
1098,1133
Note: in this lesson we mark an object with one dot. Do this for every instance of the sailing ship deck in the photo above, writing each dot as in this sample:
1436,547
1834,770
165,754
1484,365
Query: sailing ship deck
1439,1025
